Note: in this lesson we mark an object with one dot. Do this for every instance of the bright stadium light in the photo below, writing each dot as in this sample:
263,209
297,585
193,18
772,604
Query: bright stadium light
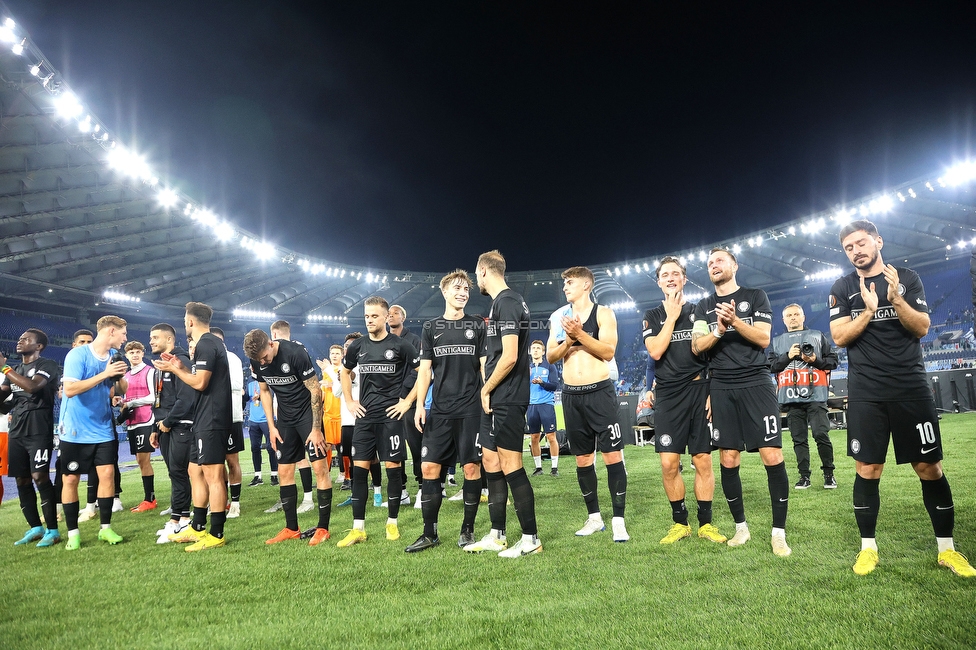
18,48
830,273
253,314
118,297
67,105
35,69
9,23
736,249
623,305
167,197
791,230
224,232
7,35
961,173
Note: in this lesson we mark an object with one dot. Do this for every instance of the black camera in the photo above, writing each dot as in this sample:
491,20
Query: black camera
806,349
118,356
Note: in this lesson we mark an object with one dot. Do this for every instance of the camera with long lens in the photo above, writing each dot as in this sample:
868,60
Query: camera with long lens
806,349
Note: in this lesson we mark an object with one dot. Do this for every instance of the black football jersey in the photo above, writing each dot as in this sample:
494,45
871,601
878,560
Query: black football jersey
213,411
454,348
382,365
885,361
286,376
734,361
678,365
509,315
30,406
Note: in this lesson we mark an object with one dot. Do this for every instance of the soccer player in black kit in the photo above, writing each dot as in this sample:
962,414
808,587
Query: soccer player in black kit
383,359
878,312
33,384
212,426
733,326
505,396
682,392
451,348
284,368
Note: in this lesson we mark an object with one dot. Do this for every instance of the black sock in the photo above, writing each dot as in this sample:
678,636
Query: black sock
587,482
679,513
28,504
235,492
289,504
403,475
704,513
306,474
377,474
48,505
105,510
524,499
149,487
430,504
867,502
617,482
472,499
71,514
118,480
779,492
199,518
732,487
217,520
325,507
497,499
484,479
938,501
92,488
359,488
394,487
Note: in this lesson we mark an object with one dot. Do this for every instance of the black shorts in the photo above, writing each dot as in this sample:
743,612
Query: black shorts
139,440
235,441
448,438
80,458
591,418
210,447
913,426
383,439
680,421
541,418
346,445
745,418
27,455
484,432
294,443
507,428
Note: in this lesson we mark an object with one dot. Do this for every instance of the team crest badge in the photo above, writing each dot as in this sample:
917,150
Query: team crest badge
665,440
73,466
423,452
743,306
278,454
388,354
352,451
30,373
691,317
832,301
855,445
714,433
285,367
901,289
469,334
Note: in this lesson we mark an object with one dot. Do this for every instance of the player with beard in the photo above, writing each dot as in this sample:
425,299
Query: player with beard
175,402
585,342
733,326
682,392
382,360
452,352
285,368
212,425
879,313
32,384
505,396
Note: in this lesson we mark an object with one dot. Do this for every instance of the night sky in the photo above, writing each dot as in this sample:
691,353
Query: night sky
415,138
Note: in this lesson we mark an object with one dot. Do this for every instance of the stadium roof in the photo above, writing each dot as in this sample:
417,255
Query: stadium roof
84,222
